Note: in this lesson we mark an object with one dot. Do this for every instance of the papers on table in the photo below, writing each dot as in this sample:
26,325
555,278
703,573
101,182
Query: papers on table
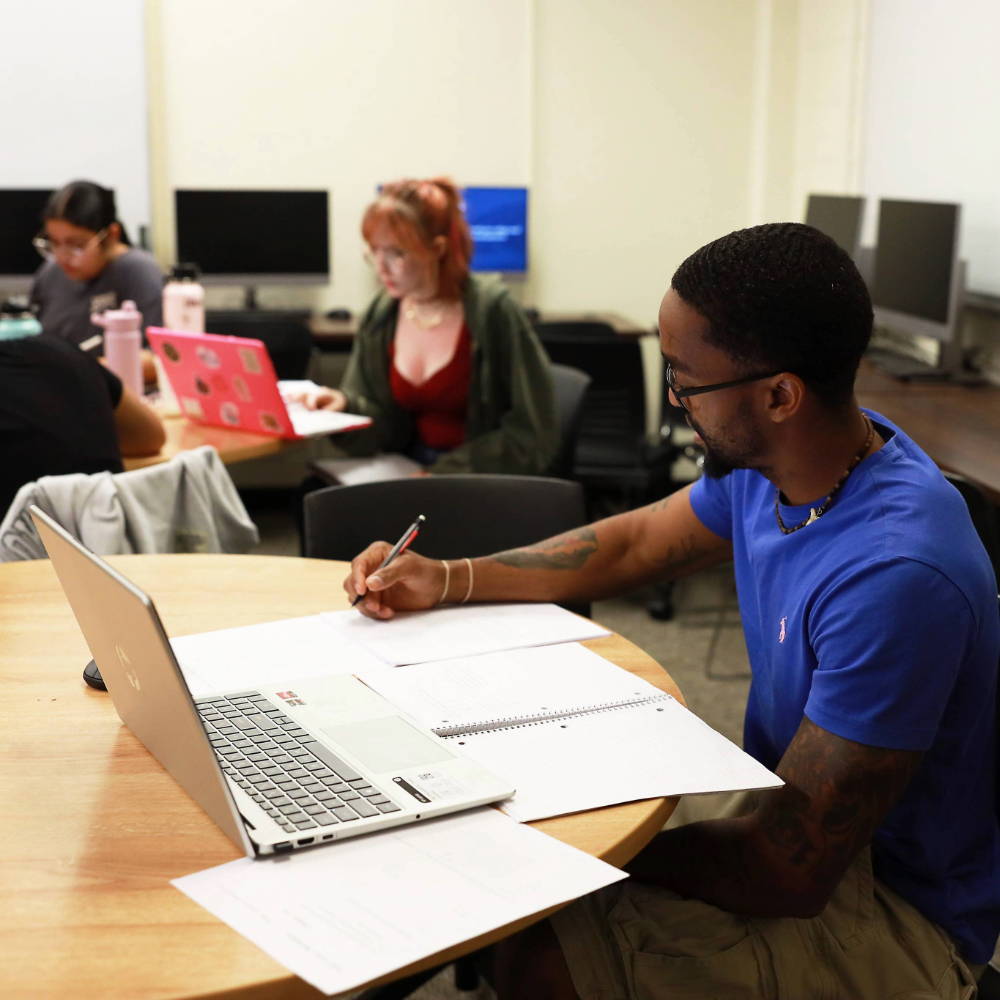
376,469
346,913
639,752
233,659
467,630
512,686
569,730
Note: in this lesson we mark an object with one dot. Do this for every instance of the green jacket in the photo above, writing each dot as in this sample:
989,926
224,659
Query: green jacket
511,424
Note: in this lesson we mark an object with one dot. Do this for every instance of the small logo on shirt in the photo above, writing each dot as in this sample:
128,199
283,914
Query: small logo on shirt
781,634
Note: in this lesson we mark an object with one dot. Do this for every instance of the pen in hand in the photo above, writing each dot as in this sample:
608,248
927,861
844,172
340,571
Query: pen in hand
401,546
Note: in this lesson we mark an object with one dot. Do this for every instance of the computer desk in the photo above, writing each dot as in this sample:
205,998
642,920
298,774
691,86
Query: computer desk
94,828
232,445
958,426
338,334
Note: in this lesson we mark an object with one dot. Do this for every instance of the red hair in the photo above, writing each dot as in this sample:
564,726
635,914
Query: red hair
417,213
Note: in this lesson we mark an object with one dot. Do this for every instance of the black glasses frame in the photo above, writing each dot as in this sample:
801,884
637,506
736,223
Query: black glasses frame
681,394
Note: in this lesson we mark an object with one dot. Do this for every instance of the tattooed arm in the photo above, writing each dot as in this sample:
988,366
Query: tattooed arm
786,857
662,541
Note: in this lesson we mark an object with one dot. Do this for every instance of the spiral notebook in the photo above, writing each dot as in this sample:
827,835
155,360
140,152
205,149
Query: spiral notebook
570,730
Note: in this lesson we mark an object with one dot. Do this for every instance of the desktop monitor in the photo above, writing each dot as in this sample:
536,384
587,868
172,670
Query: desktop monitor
918,279
839,216
255,237
20,220
498,219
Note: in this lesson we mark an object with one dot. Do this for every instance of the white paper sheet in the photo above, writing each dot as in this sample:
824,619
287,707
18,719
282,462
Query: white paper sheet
343,914
376,469
466,630
312,423
621,755
516,684
272,653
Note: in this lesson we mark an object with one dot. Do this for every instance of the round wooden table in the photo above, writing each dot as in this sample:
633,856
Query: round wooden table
94,829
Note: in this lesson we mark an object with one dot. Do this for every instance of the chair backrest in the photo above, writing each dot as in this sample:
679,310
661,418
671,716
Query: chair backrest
288,341
555,330
613,425
571,386
471,516
984,519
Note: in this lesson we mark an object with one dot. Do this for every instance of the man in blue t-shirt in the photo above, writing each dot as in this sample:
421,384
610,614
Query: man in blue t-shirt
870,612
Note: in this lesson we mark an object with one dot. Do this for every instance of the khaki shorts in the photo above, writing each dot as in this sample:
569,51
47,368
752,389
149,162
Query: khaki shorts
637,942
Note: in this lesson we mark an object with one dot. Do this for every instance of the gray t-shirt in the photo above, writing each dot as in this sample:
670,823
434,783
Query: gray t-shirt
65,305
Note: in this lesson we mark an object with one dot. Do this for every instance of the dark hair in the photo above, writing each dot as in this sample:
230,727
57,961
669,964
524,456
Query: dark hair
84,204
783,296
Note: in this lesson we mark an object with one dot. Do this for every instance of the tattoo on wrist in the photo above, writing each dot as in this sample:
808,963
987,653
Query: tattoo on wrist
569,551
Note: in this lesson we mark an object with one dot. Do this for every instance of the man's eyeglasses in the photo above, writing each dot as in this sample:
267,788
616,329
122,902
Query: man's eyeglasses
392,259
681,394
50,251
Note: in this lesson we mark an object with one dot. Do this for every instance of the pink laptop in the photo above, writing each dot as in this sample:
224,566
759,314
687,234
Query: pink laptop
230,382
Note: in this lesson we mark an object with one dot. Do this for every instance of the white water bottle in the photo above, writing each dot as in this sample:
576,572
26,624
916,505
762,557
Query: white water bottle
123,343
184,300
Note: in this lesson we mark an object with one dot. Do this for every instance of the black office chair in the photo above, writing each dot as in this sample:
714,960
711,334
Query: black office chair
286,337
466,515
613,452
571,386
556,330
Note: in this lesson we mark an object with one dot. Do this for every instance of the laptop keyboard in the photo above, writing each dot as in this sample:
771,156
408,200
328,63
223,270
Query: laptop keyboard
298,782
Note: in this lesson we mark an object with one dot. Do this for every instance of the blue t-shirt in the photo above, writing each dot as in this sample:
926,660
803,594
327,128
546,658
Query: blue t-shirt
879,622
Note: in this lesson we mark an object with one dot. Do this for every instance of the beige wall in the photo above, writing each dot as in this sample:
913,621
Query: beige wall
340,95
631,123
641,144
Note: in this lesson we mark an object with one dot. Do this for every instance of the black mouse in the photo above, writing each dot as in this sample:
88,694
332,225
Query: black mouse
344,314
93,677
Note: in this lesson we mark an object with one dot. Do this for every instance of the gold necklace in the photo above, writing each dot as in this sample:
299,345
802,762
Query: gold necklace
815,513
412,313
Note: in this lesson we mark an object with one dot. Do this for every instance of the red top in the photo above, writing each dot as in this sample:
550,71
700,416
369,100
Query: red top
439,404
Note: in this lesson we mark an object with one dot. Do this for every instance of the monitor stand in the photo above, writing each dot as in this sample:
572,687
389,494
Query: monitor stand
949,368
250,298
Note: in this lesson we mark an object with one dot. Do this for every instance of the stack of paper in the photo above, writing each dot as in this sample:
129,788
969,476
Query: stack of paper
466,630
569,730
342,915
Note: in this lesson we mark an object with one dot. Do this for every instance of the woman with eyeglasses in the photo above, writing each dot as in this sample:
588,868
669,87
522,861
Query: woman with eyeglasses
445,363
90,266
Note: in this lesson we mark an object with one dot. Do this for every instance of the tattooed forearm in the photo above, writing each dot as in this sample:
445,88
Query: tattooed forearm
681,556
836,794
569,551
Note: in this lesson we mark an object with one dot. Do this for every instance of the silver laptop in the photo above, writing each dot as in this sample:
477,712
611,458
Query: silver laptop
315,761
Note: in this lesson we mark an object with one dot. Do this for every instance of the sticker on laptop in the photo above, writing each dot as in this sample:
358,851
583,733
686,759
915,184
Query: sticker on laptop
201,386
433,785
251,363
171,352
208,357
269,422
240,388
229,413
192,407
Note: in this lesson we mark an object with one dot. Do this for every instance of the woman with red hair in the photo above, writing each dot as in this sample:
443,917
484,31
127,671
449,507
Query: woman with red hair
444,363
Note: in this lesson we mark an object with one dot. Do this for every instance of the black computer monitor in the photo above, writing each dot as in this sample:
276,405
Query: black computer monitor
255,237
20,221
839,216
917,283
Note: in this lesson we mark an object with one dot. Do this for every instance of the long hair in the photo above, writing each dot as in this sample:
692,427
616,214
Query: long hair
418,212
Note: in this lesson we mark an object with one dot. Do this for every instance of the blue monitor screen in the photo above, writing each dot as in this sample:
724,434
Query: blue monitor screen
498,218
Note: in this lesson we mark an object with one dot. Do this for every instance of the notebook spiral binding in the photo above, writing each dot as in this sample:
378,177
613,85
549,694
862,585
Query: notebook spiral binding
497,725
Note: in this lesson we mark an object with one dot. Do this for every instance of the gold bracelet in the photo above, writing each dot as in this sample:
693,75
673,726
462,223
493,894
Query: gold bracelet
447,582
468,593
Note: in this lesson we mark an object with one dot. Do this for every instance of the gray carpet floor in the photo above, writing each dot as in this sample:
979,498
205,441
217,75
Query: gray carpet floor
702,648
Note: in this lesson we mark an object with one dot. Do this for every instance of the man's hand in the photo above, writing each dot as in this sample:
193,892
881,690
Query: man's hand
409,583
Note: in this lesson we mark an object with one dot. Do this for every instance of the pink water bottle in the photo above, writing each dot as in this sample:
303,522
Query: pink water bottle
123,343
